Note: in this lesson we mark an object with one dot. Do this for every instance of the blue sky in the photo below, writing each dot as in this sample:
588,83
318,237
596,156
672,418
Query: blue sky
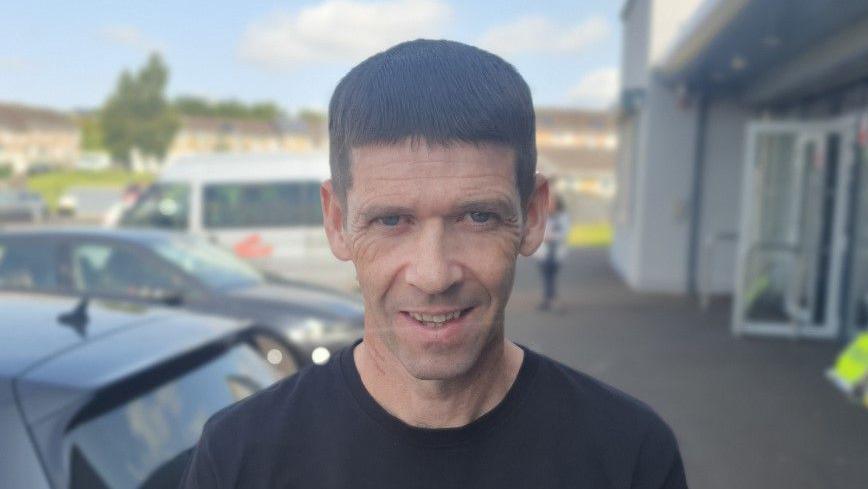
68,55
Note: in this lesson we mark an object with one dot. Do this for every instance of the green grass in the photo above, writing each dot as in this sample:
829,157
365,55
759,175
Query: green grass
52,185
594,235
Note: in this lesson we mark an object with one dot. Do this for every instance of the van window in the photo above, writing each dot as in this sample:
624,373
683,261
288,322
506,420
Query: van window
163,205
273,204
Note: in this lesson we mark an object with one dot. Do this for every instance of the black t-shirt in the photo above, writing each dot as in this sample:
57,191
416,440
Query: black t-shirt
556,428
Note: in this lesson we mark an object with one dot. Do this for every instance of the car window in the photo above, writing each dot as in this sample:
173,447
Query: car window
275,204
120,270
28,265
145,441
163,205
209,263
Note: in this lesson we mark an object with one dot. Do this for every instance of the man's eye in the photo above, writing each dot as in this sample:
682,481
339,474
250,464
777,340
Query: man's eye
389,220
481,217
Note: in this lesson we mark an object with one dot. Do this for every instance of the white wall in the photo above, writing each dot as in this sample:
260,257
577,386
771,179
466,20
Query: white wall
664,181
650,249
721,198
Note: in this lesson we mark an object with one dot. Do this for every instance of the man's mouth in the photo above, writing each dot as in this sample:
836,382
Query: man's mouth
437,320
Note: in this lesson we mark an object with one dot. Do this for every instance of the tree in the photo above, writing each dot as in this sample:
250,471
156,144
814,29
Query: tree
137,115
91,132
317,124
230,109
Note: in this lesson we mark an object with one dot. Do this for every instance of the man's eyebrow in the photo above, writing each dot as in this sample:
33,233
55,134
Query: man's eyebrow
375,211
503,206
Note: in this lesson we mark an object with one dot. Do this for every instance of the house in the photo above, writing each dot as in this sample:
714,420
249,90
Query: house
742,163
219,134
576,148
31,136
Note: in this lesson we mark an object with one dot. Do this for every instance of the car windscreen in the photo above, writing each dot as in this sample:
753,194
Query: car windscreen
145,442
212,265
266,204
163,205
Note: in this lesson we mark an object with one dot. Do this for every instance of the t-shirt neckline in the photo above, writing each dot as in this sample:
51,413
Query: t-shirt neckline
439,437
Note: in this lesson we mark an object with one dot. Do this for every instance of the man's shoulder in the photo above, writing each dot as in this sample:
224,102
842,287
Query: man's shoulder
273,409
573,393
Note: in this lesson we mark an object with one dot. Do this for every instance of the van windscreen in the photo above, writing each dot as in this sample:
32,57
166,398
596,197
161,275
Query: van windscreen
271,204
163,205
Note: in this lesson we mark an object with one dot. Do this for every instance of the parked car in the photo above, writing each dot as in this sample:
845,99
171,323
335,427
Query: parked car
264,207
113,395
21,206
178,270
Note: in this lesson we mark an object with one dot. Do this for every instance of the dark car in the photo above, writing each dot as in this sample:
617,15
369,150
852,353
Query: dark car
114,395
180,270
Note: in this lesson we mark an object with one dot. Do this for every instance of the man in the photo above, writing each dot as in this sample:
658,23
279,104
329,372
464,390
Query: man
433,197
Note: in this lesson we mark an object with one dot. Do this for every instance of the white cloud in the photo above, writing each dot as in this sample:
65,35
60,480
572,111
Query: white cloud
339,30
597,89
130,36
536,34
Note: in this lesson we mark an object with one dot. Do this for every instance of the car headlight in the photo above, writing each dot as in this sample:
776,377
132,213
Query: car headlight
314,331
310,330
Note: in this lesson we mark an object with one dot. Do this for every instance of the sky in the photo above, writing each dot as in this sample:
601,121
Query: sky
68,55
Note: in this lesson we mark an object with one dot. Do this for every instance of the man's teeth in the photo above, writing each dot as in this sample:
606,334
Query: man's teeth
435,318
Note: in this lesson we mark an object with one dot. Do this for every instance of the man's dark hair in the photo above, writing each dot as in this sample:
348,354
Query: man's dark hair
437,92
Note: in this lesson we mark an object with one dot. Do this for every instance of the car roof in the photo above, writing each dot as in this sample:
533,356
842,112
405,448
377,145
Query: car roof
131,235
31,330
231,167
54,363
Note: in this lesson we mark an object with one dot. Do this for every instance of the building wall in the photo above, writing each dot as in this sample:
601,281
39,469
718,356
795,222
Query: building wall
721,196
634,45
663,180
20,149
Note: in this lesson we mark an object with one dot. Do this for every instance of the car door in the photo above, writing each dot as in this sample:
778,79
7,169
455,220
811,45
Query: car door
109,269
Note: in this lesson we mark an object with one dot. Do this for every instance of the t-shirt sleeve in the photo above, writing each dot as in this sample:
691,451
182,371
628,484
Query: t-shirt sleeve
659,465
200,472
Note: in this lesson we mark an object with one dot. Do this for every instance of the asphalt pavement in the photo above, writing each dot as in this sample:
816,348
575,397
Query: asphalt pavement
749,413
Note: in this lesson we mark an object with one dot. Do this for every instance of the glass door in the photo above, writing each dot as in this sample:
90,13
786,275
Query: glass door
789,266
855,294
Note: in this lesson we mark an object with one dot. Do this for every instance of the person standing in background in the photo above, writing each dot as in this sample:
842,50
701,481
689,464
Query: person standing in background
553,251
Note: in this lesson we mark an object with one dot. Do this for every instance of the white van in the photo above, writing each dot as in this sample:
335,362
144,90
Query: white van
264,207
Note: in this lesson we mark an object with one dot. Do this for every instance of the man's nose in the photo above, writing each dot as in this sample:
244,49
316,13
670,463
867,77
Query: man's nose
432,269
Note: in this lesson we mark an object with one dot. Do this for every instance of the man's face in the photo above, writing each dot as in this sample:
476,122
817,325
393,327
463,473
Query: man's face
434,233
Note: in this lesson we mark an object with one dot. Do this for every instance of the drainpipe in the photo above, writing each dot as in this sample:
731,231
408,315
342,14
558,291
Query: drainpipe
696,197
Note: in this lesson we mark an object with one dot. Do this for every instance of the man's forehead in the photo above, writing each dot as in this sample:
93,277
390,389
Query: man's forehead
421,159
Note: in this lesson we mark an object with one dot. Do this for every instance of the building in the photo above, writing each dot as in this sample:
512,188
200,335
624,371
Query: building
576,148
741,169
31,136
217,134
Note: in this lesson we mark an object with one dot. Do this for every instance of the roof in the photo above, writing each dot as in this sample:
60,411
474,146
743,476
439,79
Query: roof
730,45
575,119
22,118
248,167
225,125
134,235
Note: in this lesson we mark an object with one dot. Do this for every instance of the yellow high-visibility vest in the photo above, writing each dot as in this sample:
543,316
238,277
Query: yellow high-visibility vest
850,372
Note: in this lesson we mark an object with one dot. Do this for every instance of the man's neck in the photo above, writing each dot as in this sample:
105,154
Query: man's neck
438,403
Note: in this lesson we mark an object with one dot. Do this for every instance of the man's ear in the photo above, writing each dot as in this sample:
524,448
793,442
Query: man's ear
536,215
333,221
